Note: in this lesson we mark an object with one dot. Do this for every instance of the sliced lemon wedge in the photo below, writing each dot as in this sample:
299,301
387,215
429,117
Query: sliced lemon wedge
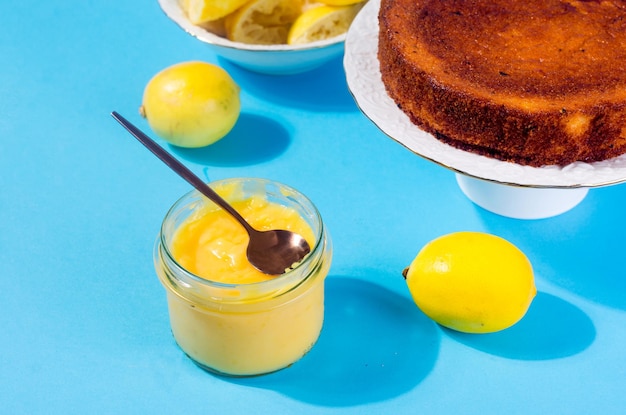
340,2
309,4
264,22
202,11
215,26
323,22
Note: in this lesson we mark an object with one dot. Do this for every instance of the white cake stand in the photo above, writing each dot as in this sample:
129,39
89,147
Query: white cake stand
504,188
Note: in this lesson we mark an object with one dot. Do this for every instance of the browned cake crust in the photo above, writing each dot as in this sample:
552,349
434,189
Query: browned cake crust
535,82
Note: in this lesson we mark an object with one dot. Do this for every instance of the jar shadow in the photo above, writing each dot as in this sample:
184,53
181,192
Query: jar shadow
375,345
551,329
254,139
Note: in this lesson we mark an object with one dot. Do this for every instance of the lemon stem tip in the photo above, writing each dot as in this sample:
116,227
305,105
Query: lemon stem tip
405,272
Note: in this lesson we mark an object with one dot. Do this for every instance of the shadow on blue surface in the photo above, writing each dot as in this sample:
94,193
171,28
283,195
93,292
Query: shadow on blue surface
375,345
322,89
552,328
567,251
253,139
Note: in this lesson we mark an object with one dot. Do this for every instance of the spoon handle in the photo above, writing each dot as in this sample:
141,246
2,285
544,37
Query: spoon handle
180,168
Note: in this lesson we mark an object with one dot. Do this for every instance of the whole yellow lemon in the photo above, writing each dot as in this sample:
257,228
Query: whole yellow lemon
191,104
472,282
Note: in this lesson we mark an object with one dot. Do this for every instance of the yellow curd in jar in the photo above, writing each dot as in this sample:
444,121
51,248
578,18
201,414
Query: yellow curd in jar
225,315
212,244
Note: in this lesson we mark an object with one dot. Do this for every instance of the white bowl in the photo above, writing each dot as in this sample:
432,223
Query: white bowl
267,59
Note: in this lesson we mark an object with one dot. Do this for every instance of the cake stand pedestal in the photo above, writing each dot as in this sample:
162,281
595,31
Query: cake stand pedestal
520,202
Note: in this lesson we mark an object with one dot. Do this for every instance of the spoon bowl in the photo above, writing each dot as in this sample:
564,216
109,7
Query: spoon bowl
269,251
272,252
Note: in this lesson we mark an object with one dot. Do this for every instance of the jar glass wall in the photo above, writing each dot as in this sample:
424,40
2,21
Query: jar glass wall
253,328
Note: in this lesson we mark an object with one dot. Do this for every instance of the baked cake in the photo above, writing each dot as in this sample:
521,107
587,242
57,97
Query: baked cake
535,82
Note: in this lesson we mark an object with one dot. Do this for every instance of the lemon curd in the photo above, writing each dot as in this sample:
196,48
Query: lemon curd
225,315
212,244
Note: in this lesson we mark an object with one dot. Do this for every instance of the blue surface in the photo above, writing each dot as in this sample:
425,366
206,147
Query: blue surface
84,318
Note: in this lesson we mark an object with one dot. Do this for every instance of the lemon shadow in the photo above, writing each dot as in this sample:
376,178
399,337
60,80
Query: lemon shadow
579,250
322,89
375,345
254,139
551,329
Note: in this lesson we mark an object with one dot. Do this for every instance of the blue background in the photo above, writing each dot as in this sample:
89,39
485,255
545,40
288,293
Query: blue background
83,316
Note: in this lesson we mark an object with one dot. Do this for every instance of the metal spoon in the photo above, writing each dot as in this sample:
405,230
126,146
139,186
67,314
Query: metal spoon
271,252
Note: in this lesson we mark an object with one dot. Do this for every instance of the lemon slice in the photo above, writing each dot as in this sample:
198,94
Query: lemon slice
340,2
215,26
309,4
202,11
264,22
323,22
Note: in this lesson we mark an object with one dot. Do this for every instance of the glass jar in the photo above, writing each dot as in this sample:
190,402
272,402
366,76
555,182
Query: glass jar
245,329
